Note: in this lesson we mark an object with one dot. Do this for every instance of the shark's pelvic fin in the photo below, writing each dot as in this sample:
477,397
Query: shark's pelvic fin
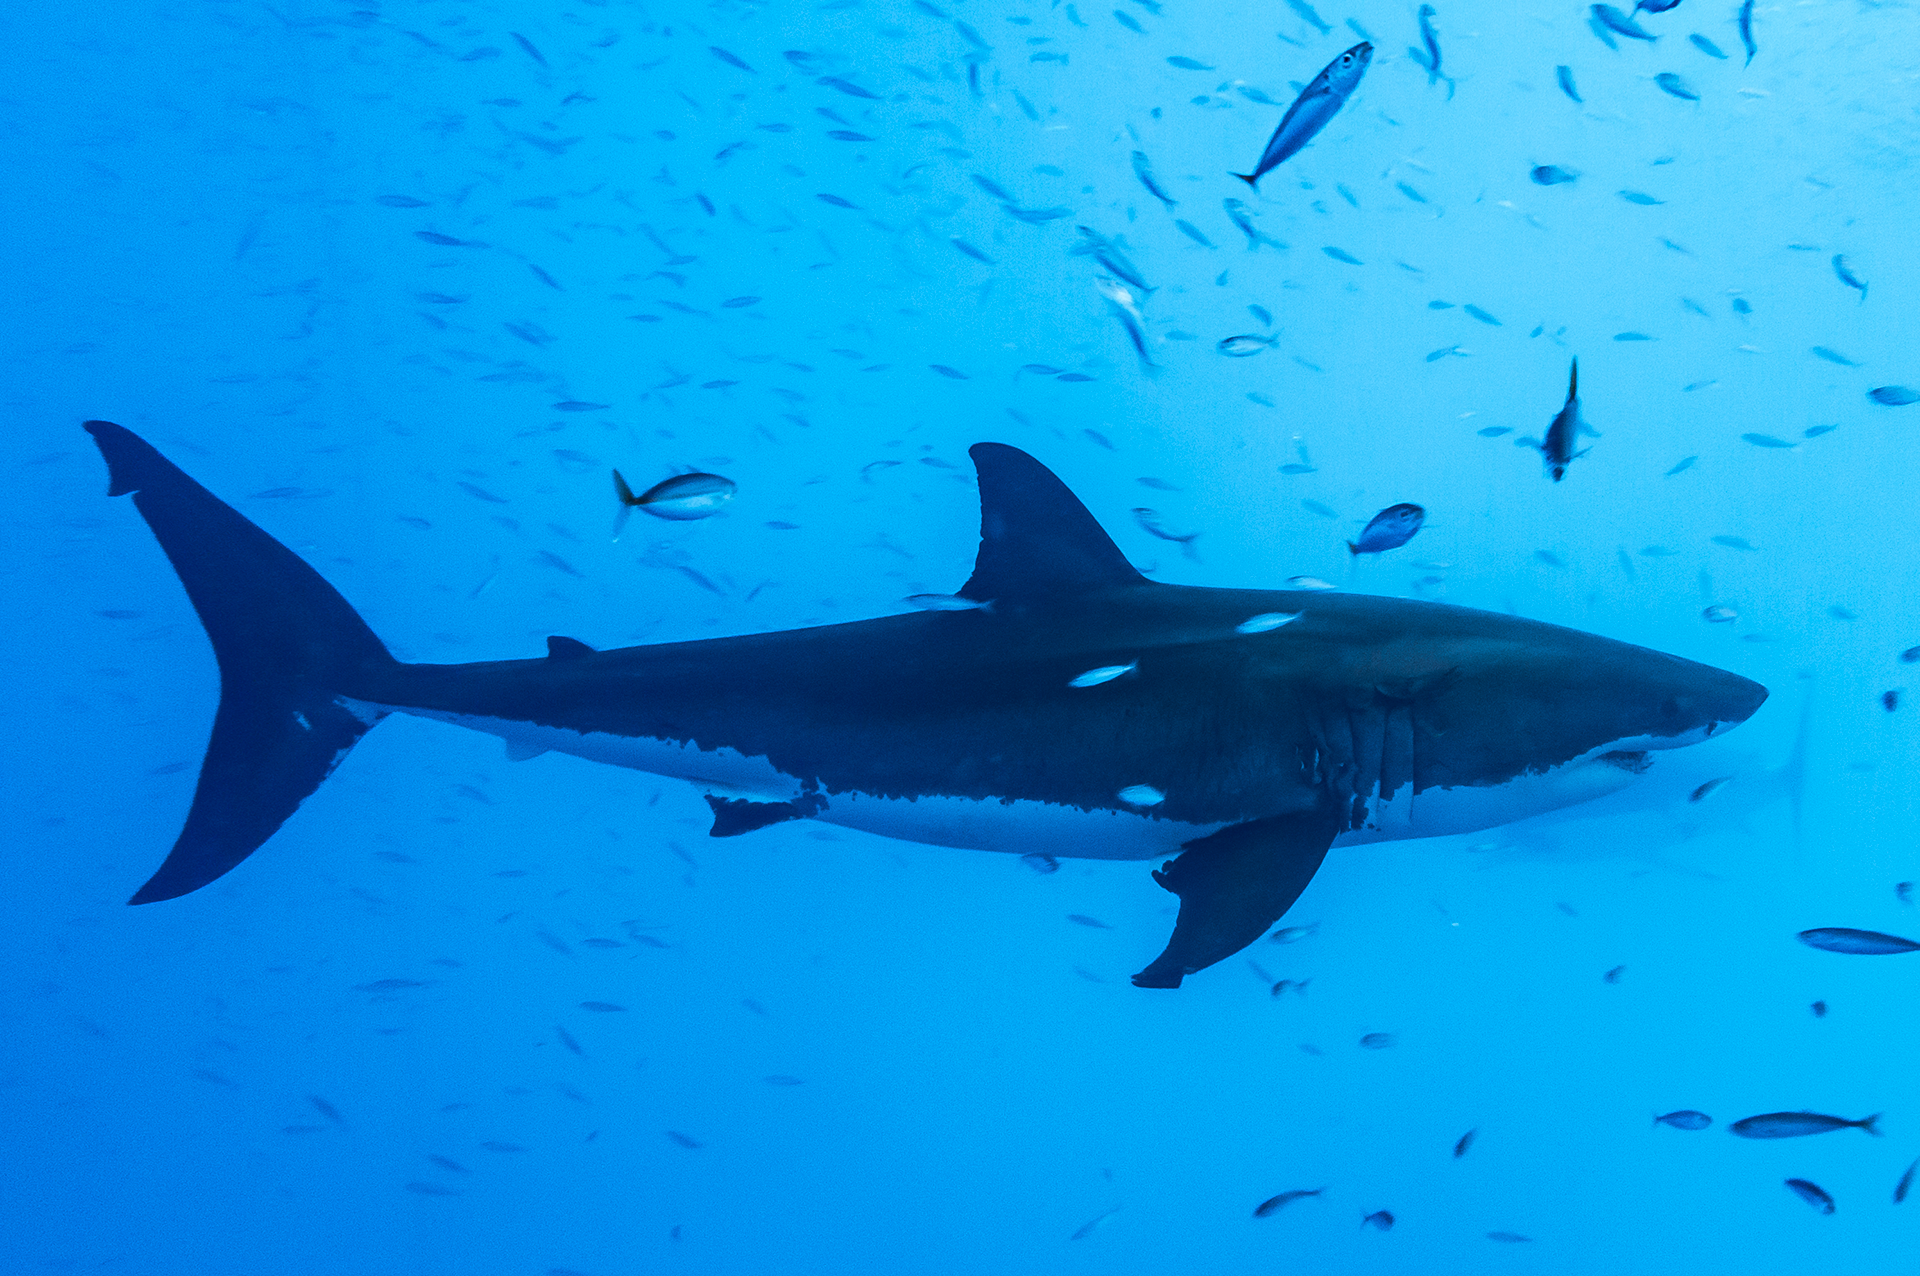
1234,884
1036,539
289,648
734,816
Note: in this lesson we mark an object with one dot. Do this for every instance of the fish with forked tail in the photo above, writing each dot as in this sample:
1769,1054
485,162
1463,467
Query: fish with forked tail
1565,430
1795,1125
1312,111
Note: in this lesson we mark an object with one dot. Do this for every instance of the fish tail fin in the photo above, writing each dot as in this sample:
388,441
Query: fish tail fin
1253,181
293,655
1870,1126
1573,381
1186,546
628,503
1353,549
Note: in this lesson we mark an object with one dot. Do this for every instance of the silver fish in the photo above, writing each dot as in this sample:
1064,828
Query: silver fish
1312,111
1812,1193
1795,1125
1847,277
1150,523
947,602
1143,170
1676,86
1685,1119
1274,1204
1564,430
1430,62
1867,943
1104,674
682,498
1614,20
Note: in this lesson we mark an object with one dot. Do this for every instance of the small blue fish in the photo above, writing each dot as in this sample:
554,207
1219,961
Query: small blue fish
1810,1192
946,602
1144,171
1685,1119
1675,86
1640,197
1614,20
992,188
1244,346
1847,277
1707,46
1391,528
1894,396
1746,31
1551,175
1796,1125
1188,64
1341,254
1430,62
1104,674
1151,524
1834,356
1655,6
1192,232
1564,430
1312,111
682,498
1864,943
1237,214
1565,76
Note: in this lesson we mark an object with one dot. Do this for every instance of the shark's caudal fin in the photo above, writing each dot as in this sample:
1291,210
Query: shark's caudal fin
1036,539
286,643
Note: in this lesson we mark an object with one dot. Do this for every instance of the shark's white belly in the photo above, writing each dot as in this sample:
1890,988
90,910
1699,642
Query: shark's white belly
1024,827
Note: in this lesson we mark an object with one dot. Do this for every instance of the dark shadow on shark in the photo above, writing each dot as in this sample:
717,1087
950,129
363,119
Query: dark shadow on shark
1243,750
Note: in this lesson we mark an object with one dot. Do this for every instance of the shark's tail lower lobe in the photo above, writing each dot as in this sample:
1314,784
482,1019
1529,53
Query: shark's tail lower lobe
287,645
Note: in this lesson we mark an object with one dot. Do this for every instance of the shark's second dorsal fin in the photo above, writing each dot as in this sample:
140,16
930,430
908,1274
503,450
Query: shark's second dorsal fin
559,648
1036,538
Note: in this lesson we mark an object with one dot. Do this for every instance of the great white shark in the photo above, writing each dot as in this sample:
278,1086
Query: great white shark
1243,756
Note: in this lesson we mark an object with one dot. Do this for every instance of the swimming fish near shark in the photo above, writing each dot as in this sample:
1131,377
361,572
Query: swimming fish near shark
1565,429
1244,756
1312,111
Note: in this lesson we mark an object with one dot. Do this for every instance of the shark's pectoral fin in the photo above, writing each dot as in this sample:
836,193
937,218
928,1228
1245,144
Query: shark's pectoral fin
1233,885
734,816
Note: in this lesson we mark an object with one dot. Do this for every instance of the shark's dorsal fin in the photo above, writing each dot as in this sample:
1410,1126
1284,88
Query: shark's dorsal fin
559,648
1036,538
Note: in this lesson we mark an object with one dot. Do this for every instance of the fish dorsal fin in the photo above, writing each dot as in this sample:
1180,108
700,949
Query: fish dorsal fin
559,648
1036,538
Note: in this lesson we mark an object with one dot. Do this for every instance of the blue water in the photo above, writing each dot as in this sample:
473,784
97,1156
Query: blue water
215,219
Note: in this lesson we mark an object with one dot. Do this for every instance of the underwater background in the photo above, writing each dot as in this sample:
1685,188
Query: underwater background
403,282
